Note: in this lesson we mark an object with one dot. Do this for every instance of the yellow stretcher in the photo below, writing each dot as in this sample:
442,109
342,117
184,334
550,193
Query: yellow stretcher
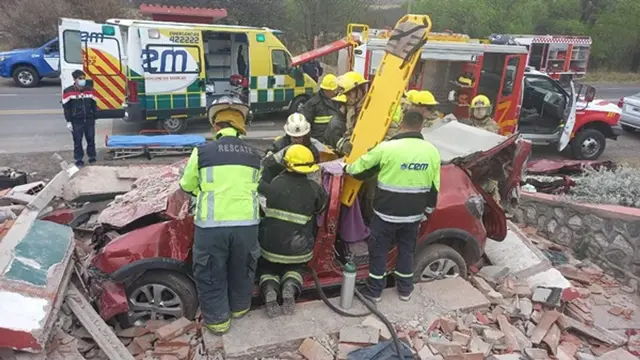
401,56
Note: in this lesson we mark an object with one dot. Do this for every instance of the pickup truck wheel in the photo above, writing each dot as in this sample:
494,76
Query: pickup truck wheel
26,77
588,144
159,295
173,125
436,262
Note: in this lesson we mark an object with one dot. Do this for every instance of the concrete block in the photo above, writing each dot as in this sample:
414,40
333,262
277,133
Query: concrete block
253,336
529,260
360,335
492,336
493,274
460,338
311,350
374,322
96,183
481,285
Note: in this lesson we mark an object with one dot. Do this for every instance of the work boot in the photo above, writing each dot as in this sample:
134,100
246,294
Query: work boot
288,298
271,301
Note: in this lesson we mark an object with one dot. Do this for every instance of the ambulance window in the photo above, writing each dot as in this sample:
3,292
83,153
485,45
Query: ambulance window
72,47
510,77
281,62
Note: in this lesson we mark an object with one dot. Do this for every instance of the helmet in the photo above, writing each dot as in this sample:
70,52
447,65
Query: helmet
342,98
480,101
297,125
351,80
421,98
329,82
298,158
231,110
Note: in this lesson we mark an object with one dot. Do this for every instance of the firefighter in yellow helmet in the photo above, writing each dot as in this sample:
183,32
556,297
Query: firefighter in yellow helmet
338,124
422,102
225,246
480,114
320,108
288,230
354,86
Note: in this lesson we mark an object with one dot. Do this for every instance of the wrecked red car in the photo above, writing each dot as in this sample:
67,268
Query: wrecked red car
141,268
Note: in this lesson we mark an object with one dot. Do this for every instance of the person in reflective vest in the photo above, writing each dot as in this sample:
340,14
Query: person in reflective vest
288,229
223,175
319,109
338,124
296,131
408,169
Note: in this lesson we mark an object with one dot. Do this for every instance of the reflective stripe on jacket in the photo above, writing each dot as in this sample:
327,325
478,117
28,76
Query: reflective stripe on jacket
318,111
273,164
224,176
288,231
408,170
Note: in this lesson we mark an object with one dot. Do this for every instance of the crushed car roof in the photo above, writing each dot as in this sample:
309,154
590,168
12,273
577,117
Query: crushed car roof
455,140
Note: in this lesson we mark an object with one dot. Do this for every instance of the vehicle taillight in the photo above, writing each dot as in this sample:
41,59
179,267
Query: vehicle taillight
132,91
620,103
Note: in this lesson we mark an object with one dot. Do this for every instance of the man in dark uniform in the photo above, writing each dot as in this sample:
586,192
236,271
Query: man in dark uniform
320,108
80,109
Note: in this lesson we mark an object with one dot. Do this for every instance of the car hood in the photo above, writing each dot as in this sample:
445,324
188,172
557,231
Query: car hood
599,105
15,52
463,144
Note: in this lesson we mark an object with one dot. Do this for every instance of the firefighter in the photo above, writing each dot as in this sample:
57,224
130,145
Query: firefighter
80,109
480,114
319,109
296,131
289,229
354,86
338,124
423,102
408,184
225,248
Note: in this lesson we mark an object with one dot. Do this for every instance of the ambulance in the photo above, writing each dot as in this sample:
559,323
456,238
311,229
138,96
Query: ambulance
169,72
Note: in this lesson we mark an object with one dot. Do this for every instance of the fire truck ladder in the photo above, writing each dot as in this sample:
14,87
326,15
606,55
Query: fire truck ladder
401,56
351,40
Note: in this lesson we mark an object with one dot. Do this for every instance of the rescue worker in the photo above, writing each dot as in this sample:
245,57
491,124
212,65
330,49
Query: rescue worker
338,124
224,176
354,86
319,109
296,131
421,101
289,229
80,109
480,114
408,184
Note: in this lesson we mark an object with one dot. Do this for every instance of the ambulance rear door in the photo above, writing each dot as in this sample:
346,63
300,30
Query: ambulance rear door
97,49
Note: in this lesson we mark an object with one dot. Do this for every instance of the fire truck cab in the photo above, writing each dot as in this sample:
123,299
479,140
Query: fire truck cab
455,69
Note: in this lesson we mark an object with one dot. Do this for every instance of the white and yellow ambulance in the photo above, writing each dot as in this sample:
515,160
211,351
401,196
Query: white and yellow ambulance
169,72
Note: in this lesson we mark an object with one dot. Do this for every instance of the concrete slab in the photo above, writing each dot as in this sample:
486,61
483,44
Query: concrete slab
99,183
254,335
529,261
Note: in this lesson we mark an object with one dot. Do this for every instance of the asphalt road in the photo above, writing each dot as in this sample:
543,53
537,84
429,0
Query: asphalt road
31,121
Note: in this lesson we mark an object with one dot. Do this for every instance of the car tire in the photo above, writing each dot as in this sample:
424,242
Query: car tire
173,287
588,144
26,77
442,261
173,125
628,128
297,104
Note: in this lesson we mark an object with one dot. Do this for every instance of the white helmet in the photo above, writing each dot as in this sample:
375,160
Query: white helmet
297,125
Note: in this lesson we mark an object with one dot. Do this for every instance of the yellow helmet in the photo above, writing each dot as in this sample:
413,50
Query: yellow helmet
479,102
350,81
329,82
421,98
298,158
342,98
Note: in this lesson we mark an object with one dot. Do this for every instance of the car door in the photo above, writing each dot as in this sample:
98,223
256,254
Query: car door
51,54
509,95
280,85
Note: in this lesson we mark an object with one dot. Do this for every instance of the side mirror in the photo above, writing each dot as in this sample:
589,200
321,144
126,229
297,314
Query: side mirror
590,94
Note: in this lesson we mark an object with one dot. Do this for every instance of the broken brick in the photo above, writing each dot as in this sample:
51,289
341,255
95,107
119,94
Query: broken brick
133,332
311,350
169,357
536,354
374,322
448,325
345,349
570,294
467,356
425,353
616,310
153,325
460,338
481,285
552,338
181,340
492,336
495,297
135,349
445,347
181,352
572,273
145,342
548,319
482,318
360,335
174,329
567,350
510,337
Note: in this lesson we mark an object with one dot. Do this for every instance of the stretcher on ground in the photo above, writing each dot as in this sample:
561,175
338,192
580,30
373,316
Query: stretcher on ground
151,143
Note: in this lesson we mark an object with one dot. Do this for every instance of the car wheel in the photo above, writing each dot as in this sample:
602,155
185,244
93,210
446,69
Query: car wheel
628,128
438,261
26,77
173,125
159,295
297,104
588,144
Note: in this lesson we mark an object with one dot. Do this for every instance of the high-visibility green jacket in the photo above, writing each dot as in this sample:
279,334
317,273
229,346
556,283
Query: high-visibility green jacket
224,175
408,169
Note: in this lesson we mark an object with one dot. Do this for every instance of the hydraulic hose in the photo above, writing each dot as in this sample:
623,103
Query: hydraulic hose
372,309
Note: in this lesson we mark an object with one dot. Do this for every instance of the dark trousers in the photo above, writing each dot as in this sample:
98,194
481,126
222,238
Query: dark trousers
224,266
278,275
86,129
383,236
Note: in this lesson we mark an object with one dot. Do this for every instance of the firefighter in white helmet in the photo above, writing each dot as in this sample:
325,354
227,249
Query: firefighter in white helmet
296,130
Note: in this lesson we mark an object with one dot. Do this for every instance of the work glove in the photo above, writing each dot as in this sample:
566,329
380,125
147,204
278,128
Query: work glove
69,126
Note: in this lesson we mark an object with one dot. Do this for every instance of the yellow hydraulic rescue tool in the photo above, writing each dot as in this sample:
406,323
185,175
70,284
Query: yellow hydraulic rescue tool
402,53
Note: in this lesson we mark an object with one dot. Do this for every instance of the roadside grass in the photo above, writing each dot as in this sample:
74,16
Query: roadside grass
612,77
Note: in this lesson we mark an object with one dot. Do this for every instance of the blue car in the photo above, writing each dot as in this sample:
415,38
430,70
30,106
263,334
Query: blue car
28,66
